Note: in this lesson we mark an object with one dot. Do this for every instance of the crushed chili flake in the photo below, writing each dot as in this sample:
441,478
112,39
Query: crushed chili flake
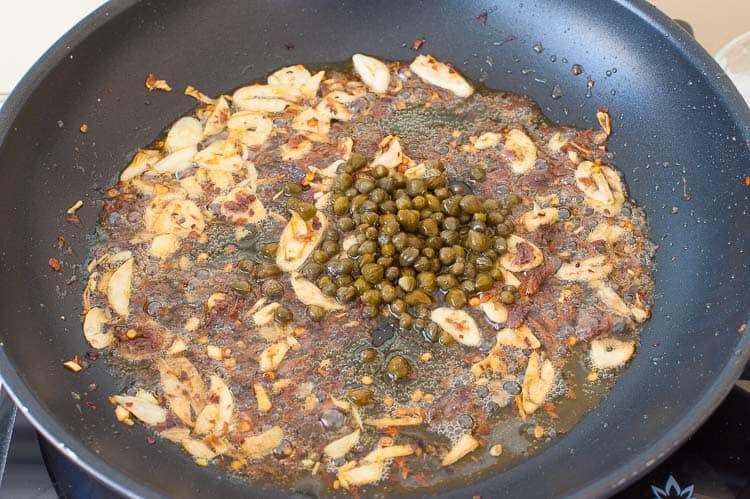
54,264
747,181
84,128
90,404
742,328
482,18
154,83
151,440
73,219
60,241
417,44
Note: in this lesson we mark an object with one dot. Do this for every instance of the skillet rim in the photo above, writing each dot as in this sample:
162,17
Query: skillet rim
614,481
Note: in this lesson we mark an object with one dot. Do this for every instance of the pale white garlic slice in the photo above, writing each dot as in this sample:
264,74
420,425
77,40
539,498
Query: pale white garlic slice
610,353
487,140
586,270
183,387
217,120
520,337
556,142
373,72
390,155
538,217
264,443
298,240
381,454
256,127
148,412
523,149
610,298
142,161
271,356
601,186
312,121
263,105
265,315
176,161
298,150
185,132
290,76
458,324
606,232
339,447
465,445
221,156
495,311
163,245
537,382
310,87
309,294
119,288
93,328
439,74
360,475
522,255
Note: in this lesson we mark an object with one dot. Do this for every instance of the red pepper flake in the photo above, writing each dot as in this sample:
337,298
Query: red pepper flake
92,355
154,83
151,440
73,219
417,44
482,18
84,128
747,181
54,264
742,328
90,405
60,241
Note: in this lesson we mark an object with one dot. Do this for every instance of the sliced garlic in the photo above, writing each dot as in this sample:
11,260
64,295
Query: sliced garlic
373,72
458,324
261,397
387,421
93,328
495,311
297,151
241,206
185,132
339,448
361,475
148,412
312,121
183,387
610,298
556,142
217,120
523,149
220,393
509,278
163,245
298,240
198,449
609,353
220,155
538,217
175,434
335,103
310,87
271,357
606,232
118,288
265,315
264,443
205,422
464,446
381,454
520,337
290,76
515,261
142,161
588,269
602,187
176,161
537,382
431,71
390,154
309,294
487,140
263,105
179,217
256,127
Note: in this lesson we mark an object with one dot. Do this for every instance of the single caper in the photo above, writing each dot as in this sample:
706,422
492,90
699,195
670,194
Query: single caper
407,283
398,307
378,195
431,332
470,270
512,199
495,217
408,219
434,243
247,265
346,294
451,206
403,203
364,185
392,273
503,229
436,165
291,189
418,297
416,186
471,204
500,245
316,313
344,280
482,263
428,228
271,288
397,368
357,161
510,288
341,205
422,264
360,396
507,297
442,193
353,250
456,298
388,292
435,182
385,262
371,311
329,289
446,281
306,210
477,241
324,281
497,274
388,206
446,338
419,325
408,256
379,171
477,173
365,259
449,237
405,321
457,268
372,272
339,266
283,315
368,355
241,287
320,256
367,248
447,255
266,270
483,282
426,282
361,285
345,224
342,182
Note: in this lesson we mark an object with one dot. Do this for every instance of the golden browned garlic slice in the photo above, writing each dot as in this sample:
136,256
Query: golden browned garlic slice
495,311
220,155
217,120
185,132
431,71
148,412
387,421
262,444
176,161
521,255
298,240
588,269
206,420
538,217
312,121
601,186
257,128
334,104
118,288
265,315
520,337
241,205
309,294
163,245
466,444
175,434
183,387
373,72
606,232
390,154
178,217
537,382
271,357
198,449
509,278
290,77
360,475
296,151
458,324
610,353
142,161
219,392
556,142
339,448
262,105
93,328
380,454
310,87
610,298
523,149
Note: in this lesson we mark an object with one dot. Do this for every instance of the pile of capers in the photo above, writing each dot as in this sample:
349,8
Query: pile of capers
419,242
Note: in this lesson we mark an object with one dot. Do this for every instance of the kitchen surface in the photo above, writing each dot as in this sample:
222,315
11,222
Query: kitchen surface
715,462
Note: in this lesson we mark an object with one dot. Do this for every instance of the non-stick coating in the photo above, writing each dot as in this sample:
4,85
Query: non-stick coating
681,138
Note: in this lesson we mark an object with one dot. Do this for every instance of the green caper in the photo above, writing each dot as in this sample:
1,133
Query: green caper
269,249
353,250
408,256
483,282
342,182
292,189
408,219
446,282
449,237
431,332
451,223
447,255
442,193
367,248
457,268
361,285
330,247
405,321
403,203
340,266
357,161
388,249
379,171
371,311
446,338
316,313
346,294
497,274
428,228
510,288
241,287
283,315
271,288
428,252
470,270
378,195
426,281
471,204
385,262
324,281
345,224
477,241
388,206
477,173
398,306
416,186
495,217
451,206
320,256
329,289
434,242
266,270
418,202
306,210
397,368
341,205
507,297
360,396
344,280
358,201
392,273
483,263
331,234
364,185
368,355
456,298
372,297
503,229
419,325
365,259
292,203
373,273
418,297
388,292
436,182
435,165
422,264
500,245
368,205
247,265
407,283
512,200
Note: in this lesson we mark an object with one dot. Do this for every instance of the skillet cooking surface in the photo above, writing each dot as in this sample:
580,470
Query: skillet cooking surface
680,137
